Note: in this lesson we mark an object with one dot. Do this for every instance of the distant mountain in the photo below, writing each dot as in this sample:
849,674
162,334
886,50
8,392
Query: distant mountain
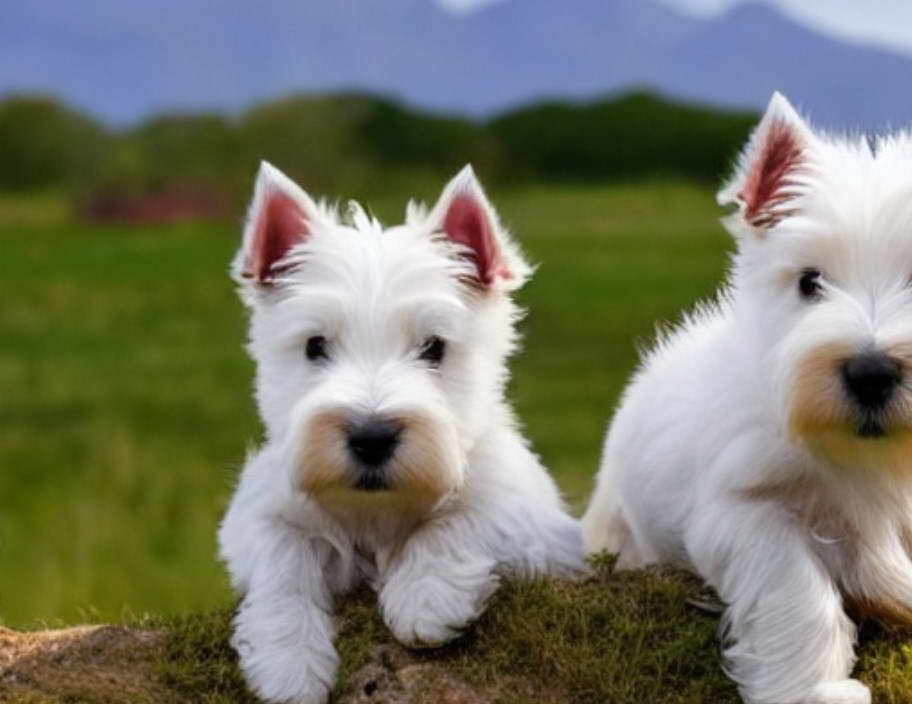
744,56
123,61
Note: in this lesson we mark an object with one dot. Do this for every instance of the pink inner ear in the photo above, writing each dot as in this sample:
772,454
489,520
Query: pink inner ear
280,226
467,223
780,154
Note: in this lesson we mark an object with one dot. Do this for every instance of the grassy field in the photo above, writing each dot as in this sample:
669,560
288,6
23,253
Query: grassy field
126,406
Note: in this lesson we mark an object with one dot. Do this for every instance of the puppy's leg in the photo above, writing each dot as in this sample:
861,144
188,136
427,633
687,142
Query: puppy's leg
438,584
445,573
879,578
788,639
606,529
283,631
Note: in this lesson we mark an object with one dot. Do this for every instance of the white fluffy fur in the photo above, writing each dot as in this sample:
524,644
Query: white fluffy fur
734,451
471,502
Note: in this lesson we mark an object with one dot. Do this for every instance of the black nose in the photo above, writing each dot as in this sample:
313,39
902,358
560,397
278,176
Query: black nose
373,441
871,378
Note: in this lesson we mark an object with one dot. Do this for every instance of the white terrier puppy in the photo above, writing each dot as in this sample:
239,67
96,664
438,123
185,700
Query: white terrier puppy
391,456
766,443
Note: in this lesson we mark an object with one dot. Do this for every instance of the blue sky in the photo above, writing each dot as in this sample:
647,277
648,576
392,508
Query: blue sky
885,23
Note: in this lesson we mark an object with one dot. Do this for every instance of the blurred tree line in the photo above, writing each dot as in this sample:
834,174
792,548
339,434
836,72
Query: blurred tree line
351,145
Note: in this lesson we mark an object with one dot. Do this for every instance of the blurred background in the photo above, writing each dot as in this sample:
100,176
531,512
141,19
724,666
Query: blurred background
129,136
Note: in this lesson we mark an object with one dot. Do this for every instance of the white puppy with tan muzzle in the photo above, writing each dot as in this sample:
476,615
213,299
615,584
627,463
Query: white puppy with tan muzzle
766,442
391,456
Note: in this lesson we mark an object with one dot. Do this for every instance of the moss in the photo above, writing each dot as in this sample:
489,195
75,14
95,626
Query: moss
614,638
198,663
885,663
617,637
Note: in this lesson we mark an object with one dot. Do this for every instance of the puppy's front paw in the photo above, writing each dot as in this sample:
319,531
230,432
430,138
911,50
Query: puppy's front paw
429,611
285,672
839,692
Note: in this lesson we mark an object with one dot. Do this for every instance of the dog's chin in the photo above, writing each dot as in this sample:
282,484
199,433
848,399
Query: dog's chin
374,492
371,482
872,427
841,433
396,486
427,467
858,442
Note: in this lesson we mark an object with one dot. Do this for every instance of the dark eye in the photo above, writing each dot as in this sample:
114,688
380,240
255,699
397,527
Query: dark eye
316,348
432,350
809,283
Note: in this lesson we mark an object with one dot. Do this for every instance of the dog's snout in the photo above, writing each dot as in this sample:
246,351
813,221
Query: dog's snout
871,378
373,440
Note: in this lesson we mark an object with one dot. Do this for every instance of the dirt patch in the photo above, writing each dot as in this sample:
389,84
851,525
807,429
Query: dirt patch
392,677
116,665
395,676
91,664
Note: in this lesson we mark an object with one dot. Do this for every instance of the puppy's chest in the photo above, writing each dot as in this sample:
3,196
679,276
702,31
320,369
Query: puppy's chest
376,543
865,559
810,507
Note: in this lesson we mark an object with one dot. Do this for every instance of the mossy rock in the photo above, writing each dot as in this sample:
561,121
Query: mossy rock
622,638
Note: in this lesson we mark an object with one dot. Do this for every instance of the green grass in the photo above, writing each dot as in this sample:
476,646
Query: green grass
43,209
126,408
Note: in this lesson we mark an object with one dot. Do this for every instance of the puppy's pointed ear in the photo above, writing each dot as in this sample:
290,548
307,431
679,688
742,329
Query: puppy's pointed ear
766,176
465,216
281,215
